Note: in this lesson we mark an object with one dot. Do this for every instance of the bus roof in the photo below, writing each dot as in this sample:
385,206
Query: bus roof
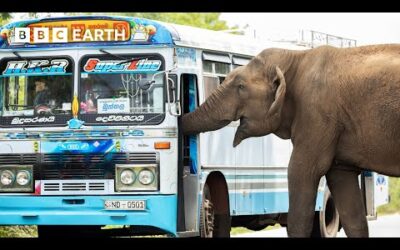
219,41
131,30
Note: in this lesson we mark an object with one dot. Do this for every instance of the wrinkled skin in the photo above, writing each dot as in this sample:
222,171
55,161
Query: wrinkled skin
340,108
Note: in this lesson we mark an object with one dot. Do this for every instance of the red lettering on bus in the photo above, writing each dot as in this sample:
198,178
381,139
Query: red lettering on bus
133,65
91,64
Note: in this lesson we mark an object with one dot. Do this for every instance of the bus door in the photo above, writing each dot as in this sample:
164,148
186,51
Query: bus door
191,167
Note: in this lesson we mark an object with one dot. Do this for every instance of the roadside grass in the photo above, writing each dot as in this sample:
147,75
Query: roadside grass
394,204
243,230
18,232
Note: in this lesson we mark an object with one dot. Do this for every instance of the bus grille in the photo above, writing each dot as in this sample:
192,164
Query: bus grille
73,172
121,158
74,187
77,166
19,159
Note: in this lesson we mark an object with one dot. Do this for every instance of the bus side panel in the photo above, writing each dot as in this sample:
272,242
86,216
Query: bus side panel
277,152
255,171
250,183
216,147
216,151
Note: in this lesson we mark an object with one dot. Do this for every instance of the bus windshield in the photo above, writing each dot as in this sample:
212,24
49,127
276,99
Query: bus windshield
115,86
35,87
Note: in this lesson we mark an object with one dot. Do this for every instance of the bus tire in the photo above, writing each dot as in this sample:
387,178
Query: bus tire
326,221
212,225
206,214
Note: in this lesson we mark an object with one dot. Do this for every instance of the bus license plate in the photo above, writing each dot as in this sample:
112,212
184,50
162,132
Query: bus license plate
125,205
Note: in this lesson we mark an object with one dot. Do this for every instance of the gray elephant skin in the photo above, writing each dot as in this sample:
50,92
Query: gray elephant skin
339,106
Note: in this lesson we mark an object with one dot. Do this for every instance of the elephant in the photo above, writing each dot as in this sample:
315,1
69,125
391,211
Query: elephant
340,107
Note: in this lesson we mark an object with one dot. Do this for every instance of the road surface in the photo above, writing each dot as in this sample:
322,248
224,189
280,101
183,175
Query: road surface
384,226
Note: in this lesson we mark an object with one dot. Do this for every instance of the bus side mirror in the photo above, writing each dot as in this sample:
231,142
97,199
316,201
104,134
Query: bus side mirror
172,90
173,95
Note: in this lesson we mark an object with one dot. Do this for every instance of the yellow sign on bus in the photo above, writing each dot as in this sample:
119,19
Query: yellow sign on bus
74,31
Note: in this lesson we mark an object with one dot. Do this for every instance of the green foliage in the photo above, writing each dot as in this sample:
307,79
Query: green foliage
394,204
18,232
4,17
202,20
243,230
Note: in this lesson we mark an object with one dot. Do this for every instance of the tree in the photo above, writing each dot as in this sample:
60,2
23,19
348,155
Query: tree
201,20
4,17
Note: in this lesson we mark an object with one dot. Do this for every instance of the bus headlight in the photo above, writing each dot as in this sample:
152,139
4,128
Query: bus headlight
127,177
136,177
146,177
23,177
16,179
7,178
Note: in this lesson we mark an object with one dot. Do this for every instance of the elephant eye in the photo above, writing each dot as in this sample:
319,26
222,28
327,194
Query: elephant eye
241,86
275,84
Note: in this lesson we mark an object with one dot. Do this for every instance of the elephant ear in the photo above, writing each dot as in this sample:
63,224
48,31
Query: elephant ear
274,112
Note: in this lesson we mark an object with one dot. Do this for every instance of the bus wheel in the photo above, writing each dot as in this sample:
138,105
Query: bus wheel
326,221
206,214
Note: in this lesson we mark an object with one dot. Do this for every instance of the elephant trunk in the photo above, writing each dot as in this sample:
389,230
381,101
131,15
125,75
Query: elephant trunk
207,117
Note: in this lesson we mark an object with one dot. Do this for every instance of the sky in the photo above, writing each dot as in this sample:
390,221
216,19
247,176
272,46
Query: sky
365,28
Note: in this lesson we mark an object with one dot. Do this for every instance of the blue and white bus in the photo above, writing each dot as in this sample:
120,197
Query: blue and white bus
103,146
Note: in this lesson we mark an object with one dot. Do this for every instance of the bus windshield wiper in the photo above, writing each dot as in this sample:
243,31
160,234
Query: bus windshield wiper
18,55
111,54
22,58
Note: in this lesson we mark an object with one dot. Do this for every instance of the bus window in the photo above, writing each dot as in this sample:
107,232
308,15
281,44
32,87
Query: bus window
217,64
210,84
240,61
208,66
117,90
222,68
36,86
215,69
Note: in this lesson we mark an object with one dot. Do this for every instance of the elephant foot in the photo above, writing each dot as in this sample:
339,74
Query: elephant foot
298,232
357,232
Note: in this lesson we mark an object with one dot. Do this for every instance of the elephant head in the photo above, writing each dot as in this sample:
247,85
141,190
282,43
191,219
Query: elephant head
254,93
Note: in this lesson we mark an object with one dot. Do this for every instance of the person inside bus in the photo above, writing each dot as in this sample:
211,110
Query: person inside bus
88,100
42,94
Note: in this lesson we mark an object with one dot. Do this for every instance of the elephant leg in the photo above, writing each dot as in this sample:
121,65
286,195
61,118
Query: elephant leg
346,193
301,206
304,173
311,159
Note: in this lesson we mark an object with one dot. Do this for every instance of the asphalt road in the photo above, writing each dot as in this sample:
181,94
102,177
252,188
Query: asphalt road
384,226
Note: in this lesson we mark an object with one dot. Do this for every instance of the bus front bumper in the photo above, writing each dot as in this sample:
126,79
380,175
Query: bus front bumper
160,212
